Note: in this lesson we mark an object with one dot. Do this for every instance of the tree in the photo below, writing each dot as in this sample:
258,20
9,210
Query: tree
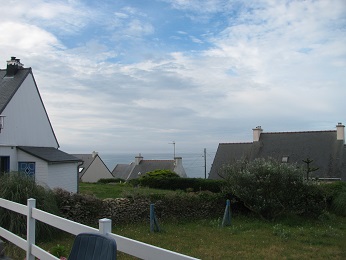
309,169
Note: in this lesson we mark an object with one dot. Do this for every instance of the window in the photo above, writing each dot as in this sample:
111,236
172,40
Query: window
284,159
4,164
27,167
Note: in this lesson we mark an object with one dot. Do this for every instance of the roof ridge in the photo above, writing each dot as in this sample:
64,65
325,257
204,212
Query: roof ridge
158,160
296,132
238,143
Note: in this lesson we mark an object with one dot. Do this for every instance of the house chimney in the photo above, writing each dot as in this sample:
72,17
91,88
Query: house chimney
94,154
178,167
256,133
138,159
340,132
13,66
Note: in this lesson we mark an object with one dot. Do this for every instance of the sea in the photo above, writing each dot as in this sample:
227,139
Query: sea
193,163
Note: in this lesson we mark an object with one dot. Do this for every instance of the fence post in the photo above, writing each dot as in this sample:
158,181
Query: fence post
226,221
105,226
30,229
154,225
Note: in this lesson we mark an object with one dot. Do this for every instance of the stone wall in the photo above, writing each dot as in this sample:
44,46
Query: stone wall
88,209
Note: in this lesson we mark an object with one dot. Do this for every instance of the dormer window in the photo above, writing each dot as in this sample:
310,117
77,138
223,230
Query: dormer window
284,159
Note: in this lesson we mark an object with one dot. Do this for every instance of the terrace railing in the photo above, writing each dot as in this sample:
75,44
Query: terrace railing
124,244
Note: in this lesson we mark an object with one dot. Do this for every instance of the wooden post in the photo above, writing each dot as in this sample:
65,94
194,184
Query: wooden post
105,226
30,230
154,225
227,215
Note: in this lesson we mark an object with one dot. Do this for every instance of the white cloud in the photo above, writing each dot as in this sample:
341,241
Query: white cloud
114,87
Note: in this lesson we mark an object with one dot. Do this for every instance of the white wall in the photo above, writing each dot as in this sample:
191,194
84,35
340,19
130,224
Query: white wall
26,122
63,175
97,170
59,175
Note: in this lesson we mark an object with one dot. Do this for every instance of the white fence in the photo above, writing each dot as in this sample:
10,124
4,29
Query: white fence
126,245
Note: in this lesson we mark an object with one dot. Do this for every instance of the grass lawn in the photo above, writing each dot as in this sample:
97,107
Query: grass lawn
246,238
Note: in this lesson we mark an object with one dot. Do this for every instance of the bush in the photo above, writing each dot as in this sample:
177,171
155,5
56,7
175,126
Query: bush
271,188
336,197
110,180
18,187
185,184
160,174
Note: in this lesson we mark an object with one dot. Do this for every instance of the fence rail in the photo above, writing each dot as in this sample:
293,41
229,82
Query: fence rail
124,244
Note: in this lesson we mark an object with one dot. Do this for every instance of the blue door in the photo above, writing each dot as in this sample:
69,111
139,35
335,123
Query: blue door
27,167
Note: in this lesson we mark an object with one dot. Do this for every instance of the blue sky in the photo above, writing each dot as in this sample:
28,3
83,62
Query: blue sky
133,76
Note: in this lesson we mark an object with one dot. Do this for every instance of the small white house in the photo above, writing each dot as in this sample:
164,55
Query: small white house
27,139
92,168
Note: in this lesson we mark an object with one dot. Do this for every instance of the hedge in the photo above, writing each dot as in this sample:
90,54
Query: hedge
177,183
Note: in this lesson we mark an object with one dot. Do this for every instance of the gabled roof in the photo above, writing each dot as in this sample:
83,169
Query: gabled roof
132,171
87,161
123,171
320,146
9,85
49,154
151,165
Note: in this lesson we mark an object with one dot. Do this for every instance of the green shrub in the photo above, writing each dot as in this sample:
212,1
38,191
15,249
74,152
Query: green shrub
18,187
110,180
173,183
336,197
271,188
160,174
59,251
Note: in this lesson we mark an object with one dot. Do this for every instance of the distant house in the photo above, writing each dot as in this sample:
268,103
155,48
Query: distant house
27,140
140,167
326,149
92,168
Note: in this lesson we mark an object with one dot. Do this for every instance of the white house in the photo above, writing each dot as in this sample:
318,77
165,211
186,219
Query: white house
93,168
27,139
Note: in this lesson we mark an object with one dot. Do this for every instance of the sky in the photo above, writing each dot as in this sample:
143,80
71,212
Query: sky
134,76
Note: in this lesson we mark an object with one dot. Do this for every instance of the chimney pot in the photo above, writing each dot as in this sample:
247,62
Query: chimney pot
257,133
340,132
138,159
13,66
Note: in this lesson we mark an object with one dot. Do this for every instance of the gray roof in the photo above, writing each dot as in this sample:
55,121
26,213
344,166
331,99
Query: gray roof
132,171
327,153
9,85
123,171
49,154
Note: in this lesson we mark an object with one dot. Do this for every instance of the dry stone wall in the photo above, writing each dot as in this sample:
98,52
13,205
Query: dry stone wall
88,209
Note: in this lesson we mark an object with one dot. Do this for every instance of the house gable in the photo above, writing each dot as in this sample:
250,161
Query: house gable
92,168
26,119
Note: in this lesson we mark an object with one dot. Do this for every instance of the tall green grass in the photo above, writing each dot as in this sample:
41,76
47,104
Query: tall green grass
18,187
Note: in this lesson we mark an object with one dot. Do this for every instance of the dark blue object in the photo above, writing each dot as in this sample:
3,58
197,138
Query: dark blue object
93,246
226,221
154,225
